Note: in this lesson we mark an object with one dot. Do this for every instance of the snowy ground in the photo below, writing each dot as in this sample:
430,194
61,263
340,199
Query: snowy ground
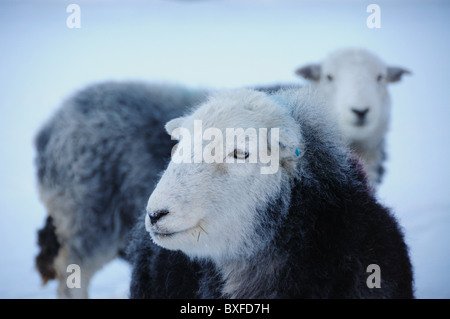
222,44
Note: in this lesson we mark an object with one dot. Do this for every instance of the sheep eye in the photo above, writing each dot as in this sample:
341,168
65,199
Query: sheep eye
379,77
330,77
240,154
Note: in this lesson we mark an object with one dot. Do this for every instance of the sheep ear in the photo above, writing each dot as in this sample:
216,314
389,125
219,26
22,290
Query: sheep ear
310,72
394,74
173,124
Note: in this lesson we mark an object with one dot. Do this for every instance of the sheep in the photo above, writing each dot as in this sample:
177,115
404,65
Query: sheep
98,159
354,83
99,156
228,229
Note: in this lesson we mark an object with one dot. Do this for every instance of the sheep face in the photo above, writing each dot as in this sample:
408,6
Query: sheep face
354,83
212,208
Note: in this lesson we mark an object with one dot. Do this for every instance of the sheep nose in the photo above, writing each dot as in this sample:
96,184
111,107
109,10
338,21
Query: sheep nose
156,215
361,113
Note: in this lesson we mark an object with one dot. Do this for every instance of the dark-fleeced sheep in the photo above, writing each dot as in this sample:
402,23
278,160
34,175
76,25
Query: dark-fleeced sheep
220,225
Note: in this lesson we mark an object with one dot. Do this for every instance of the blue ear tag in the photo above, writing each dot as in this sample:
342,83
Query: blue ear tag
297,152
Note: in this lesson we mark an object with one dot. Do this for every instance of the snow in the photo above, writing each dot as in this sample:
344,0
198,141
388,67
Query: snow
221,44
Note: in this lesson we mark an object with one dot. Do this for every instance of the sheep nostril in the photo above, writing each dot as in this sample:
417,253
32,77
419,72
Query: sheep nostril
155,216
361,113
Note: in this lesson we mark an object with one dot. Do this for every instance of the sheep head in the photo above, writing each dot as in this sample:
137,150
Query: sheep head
354,83
209,200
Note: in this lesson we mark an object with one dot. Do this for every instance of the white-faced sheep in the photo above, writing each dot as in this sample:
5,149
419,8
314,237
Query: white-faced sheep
98,160
223,229
354,84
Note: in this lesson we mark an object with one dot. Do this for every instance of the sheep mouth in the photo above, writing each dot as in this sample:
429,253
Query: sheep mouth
164,234
167,234
360,123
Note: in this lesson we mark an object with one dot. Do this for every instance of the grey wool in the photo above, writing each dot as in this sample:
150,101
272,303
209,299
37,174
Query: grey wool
98,159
